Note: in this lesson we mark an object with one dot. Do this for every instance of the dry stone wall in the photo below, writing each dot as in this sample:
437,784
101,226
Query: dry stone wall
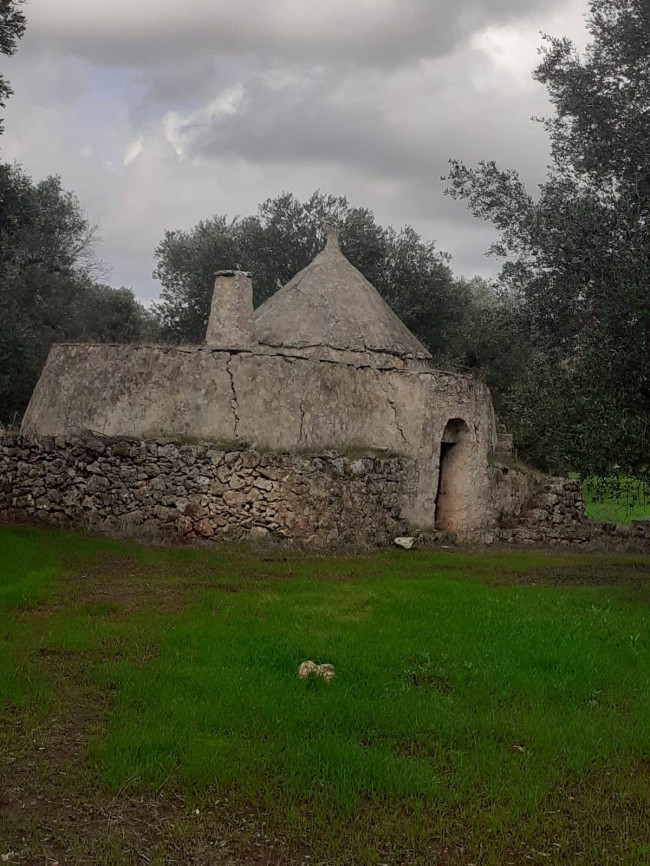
168,490
534,509
191,491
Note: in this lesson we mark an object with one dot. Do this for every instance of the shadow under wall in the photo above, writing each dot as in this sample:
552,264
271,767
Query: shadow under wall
454,477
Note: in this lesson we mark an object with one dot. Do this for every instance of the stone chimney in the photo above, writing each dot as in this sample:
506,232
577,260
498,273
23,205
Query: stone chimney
231,313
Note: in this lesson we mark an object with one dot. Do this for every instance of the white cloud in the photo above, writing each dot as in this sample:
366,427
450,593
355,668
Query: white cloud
133,150
181,130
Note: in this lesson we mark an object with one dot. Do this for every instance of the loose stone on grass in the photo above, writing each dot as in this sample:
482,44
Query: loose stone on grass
405,542
309,668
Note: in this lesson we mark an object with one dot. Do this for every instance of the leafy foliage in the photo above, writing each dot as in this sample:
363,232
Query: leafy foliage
12,27
578,256
284,236
489,338
47,289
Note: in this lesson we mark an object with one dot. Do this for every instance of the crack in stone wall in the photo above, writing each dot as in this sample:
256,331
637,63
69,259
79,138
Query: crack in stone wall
278,350
393,407
302,421
233,400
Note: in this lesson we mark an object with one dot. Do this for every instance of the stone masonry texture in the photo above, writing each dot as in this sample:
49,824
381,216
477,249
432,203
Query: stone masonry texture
172,491
167,490
273,402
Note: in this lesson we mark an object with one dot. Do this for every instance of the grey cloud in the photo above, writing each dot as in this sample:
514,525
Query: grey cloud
375,32
372,110
381,131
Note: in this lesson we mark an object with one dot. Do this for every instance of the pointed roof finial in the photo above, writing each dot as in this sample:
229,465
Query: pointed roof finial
332,234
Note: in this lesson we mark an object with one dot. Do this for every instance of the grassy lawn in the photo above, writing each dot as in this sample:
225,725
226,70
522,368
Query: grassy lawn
488,708
631,504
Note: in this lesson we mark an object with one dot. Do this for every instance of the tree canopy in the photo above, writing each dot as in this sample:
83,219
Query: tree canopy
281,239
577,256
12,27
48,289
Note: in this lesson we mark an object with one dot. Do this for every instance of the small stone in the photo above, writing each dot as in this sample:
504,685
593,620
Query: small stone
308,668
223,474
234,498
405,542
204,528
326,671
250,459
258,534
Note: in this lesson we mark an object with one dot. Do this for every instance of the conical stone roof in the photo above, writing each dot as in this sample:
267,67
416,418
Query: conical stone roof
331,304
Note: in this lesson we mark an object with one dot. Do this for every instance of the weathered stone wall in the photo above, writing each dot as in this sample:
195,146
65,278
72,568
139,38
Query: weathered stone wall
272,400
263,400
538,509
534,509
168,490
200,491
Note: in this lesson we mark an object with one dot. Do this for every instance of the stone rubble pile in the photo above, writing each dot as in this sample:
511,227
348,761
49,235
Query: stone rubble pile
554,514
553,508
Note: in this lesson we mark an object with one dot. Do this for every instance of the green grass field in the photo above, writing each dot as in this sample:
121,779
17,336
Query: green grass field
633,503
488,708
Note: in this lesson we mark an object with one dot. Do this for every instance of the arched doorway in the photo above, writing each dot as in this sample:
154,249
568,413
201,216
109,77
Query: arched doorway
454,477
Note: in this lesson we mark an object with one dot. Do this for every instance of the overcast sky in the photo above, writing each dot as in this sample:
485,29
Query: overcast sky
158,113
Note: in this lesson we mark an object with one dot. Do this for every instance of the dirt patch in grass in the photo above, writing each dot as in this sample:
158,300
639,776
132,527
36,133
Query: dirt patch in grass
581,569
338,578
55,809
630,574
438,682
163,586
118,579
62,653
132,585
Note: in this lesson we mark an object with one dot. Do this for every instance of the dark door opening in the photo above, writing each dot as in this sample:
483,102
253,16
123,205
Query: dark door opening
453,477
445,448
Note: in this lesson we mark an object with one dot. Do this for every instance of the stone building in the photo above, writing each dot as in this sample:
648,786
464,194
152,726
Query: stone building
315,417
